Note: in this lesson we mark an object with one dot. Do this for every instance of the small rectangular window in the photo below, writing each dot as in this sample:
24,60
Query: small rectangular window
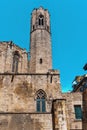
78,111
33,27
51,79
41,61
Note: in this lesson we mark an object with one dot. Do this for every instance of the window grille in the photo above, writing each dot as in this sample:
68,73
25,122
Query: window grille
41,101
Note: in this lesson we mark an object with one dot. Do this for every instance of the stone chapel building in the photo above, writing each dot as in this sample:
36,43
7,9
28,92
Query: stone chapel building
30,89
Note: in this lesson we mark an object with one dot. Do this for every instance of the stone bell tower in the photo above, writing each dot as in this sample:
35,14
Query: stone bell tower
40,42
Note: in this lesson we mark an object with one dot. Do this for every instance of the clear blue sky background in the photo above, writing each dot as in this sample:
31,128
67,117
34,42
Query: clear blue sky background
68,27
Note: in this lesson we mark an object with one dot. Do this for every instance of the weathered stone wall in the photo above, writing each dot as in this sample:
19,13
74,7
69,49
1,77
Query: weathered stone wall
18,96
60,115
40,42
71,100
85,109
18,92
7,50
25,122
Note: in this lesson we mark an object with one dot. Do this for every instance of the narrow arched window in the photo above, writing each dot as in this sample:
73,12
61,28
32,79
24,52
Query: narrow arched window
41,101
41,19
15,62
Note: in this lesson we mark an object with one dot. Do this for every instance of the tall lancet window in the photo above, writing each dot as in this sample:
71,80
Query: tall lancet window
41,101
15,62
41,19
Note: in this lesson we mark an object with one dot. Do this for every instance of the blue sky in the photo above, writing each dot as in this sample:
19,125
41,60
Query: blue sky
68,27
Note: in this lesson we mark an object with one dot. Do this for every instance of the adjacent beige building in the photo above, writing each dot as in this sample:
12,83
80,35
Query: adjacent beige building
30,89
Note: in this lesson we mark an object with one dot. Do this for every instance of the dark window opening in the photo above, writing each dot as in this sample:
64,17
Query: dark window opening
41,61
33,27
10,46
15,62
42,22
39,22
78,111
40,101
41,19
48,28
51,79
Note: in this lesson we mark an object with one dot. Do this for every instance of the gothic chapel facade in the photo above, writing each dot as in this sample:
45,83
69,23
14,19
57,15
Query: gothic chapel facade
30,90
